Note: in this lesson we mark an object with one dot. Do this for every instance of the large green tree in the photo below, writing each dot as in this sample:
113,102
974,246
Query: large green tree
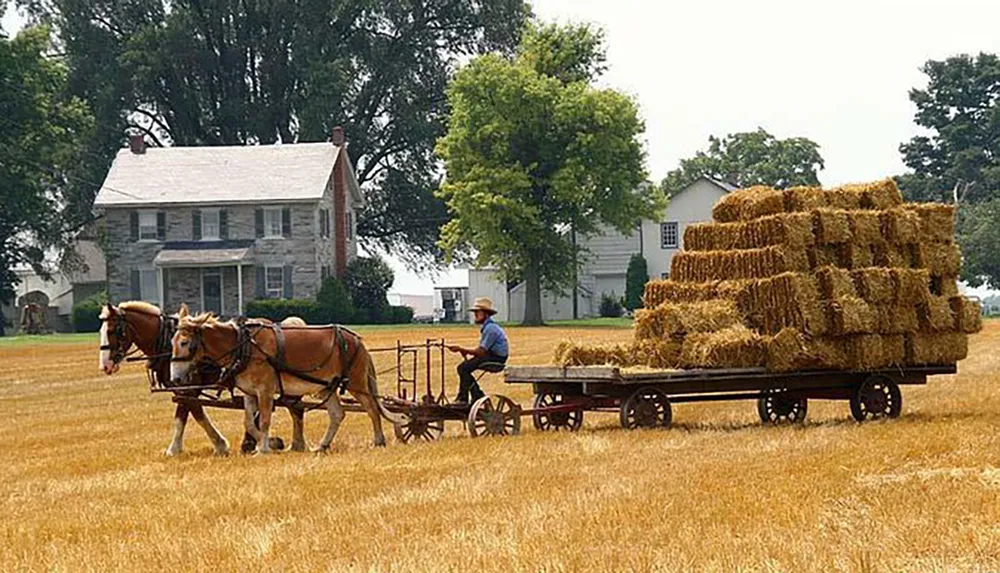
41,130
957,160
750,158
190,72
535,152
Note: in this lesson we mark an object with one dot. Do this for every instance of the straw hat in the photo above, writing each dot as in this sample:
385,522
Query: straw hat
484,304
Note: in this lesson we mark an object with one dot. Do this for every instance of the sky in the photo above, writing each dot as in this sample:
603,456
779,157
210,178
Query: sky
836,72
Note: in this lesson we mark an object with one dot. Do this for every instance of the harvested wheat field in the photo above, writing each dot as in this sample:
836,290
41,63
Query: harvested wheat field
87,488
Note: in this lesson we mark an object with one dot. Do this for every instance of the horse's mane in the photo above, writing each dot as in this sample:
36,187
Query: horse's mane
141,306
202,320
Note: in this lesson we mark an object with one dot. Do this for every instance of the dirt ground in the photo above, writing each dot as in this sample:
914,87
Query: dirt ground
86,486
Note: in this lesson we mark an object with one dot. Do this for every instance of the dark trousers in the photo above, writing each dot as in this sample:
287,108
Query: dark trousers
467,381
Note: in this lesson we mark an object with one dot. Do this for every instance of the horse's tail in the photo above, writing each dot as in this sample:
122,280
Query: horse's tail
373,390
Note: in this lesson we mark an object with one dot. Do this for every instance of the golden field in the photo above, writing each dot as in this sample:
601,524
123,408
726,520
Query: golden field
87,488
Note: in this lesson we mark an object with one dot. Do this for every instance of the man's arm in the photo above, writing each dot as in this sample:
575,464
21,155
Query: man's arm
477,351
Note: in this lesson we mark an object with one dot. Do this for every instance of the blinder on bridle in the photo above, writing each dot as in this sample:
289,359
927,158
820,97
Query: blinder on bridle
119,351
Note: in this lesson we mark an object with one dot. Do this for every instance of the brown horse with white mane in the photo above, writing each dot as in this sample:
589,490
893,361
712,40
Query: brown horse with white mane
265,360
139,326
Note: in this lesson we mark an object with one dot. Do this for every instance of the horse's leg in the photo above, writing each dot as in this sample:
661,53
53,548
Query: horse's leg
368,401
180,420
265,402
249,415
336,411
298,428
219,441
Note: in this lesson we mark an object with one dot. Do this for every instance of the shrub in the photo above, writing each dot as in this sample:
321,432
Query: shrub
86,312
611,305
280,309
335,301
400,315
368,280
635,281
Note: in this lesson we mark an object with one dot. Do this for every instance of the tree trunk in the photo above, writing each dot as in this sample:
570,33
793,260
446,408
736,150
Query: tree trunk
532,296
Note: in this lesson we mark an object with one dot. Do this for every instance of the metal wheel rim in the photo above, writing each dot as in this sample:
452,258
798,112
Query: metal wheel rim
777,408
877,397
646,408
494,416
557,421
427,430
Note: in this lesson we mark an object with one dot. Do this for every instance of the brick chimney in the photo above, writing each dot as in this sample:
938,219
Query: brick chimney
137,143
337,136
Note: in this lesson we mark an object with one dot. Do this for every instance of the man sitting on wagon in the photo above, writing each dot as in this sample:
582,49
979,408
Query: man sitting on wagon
493,350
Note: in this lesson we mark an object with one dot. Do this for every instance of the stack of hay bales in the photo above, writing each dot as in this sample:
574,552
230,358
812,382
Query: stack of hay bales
805,278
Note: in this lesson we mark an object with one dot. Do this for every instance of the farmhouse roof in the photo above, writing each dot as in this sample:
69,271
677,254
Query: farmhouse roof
219,175
198,253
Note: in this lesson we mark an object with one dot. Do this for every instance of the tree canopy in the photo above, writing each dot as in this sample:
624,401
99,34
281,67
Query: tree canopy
41,131
959,157
232,73
534,153
750,158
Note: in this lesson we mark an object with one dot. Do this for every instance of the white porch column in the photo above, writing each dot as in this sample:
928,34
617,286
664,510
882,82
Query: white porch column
239,288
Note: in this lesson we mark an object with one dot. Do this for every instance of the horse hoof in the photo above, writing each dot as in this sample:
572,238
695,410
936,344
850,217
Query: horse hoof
276,443
222,452
298,447
320,449
171,452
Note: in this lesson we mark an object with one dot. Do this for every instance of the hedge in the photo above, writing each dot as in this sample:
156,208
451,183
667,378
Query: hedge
315,313
86,313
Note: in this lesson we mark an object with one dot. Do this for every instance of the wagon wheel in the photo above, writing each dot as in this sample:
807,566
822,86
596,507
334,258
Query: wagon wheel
420,428
646,408
571,420
777,407
877,397
494,416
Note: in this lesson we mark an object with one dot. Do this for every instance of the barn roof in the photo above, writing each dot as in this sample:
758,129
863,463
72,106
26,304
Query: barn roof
220,175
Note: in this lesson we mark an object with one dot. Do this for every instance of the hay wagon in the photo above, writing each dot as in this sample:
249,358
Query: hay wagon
644,399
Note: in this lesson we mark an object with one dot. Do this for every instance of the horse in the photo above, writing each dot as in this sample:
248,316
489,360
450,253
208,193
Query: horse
145,327
264,360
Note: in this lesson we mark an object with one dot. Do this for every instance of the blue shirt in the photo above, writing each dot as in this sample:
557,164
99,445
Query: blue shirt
493,338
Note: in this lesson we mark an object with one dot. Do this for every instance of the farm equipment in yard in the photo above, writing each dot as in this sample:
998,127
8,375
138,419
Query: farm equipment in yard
644,399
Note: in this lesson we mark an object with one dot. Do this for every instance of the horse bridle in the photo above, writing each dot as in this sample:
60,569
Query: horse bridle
123,331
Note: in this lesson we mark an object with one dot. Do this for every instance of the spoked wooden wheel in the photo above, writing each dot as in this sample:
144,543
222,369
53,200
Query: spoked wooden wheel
563,420
646,408
418,428
494,416
776,407
877,397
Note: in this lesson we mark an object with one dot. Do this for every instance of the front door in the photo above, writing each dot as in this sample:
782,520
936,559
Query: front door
211,290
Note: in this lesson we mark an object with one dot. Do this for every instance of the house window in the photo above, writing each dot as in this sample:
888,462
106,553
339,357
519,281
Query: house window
272,223
147,226
324,272
324,223
349,226
664,276
209,224
274,282
668,235
149,285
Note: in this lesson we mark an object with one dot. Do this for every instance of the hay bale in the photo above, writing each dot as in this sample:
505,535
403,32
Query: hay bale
794,229
872,351
747,204
825,256
850,315
944,286
900,226
706,316
896,318
568,353
656,353
649,322
792,350
733,347
937,221
927,348
891,255
936,315
844,199
660,291
877,195
938,258
875,285
857,256
968,314
705,266
912,285
802,199
787,300
866,227
831,226
835,282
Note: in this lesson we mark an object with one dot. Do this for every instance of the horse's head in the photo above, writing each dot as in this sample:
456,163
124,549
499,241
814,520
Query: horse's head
117,337
187,346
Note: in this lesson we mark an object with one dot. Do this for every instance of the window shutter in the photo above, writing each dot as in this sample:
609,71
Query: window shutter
287,281
223,224
133,225
258,223
196,224
161,226
261,277
134,285
165,286
286,222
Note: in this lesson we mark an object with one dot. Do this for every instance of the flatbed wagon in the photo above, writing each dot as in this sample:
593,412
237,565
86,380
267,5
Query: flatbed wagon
645,398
